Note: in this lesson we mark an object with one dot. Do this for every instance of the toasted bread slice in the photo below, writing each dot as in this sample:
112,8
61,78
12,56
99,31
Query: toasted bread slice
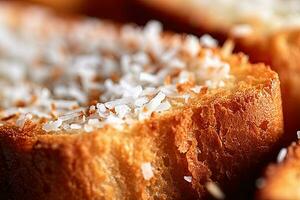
92,110
266,31
282,180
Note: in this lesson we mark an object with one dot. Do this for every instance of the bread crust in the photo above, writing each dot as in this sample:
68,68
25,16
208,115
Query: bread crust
279,48
216,137
216,140
281,51
281,180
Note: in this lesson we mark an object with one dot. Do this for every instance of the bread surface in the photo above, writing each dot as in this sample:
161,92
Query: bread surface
275,44
213,139
281,180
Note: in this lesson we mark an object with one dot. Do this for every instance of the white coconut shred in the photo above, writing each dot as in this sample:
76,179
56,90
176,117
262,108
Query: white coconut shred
86,74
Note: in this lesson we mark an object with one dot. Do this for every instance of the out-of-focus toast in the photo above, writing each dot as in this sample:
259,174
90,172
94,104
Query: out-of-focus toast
282,180
93,110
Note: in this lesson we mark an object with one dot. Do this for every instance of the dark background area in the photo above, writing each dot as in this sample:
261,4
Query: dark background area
121,11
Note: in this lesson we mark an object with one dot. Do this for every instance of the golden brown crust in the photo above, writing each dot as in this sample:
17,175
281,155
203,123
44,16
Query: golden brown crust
216,141
215,138
279,49
282,180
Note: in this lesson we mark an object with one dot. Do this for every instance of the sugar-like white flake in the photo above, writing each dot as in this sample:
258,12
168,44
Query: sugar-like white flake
163,107
75,126
141,58
184,76
71,115
88,128
214,190
146,77
141,101
155,102
22,119
192,45
64,104
208,41
242,30
122,110
177,63
101,107
93,122
281,155
196,89
187,178
110,77
114,103
298,135
147,170
92,108
52,125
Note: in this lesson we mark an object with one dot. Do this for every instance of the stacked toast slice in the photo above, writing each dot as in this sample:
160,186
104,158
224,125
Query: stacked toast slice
281,180
94,110
267,31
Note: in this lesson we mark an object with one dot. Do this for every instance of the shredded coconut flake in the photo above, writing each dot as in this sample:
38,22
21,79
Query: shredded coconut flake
214,190
52,125
192,45
298,135
187,178
146,77
88,128
147,171
93,122
110,77
122,111
75,126
196,89
242,30
22,119
281,155
155,102
208,41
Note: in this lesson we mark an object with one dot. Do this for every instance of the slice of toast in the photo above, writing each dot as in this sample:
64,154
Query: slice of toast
266,31
94,110
282,180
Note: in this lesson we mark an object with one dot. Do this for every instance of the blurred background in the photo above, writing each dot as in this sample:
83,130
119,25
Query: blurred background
117,10
110,9
132,11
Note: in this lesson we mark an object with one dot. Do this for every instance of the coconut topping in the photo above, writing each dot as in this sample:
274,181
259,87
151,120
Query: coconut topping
215,190
147,171
242,30
188,178
89,73
281,155
272,14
